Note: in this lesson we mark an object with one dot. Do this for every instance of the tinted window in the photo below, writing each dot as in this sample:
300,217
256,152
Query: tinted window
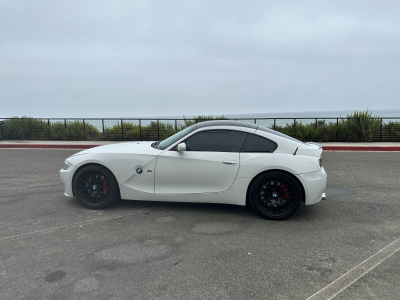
216,141
278,133
255,143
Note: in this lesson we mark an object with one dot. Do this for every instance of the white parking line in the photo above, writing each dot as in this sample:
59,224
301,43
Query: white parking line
78,224
347,279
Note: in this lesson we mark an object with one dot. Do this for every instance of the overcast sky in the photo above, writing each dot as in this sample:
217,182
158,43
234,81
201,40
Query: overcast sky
144,58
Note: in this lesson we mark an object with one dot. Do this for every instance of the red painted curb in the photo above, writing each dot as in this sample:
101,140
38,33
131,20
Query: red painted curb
360,148
46,146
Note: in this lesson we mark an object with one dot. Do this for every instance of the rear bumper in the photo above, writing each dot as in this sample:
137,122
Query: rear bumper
314,185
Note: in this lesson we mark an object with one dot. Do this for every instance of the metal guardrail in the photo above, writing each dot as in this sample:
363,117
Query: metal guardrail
112,129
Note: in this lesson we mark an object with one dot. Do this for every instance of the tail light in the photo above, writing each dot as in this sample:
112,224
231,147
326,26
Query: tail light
320,162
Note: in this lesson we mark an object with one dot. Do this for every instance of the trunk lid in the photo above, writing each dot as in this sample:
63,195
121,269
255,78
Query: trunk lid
310,149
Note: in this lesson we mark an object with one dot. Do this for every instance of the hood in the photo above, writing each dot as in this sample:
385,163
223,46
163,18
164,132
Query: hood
129,147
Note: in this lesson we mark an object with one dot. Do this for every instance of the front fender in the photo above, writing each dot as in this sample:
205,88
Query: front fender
123,166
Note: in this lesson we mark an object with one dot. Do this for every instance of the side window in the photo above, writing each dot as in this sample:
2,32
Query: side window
216,141
255,143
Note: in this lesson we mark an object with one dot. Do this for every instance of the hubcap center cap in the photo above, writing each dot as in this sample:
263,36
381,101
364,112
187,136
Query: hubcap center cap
274,201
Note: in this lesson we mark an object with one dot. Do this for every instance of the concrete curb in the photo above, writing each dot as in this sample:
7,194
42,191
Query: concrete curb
86,146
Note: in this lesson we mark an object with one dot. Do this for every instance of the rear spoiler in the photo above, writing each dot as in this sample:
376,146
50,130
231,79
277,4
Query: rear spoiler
312,143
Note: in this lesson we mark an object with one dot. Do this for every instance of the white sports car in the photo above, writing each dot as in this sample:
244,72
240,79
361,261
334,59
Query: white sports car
213,162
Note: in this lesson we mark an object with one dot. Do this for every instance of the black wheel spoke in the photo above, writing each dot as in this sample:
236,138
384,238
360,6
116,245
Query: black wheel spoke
93,187
275,198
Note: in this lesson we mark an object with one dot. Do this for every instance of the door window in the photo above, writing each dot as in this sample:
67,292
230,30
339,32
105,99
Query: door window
255,143
216,141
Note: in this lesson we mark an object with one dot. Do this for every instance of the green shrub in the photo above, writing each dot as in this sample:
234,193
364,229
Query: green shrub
361,126
36,129
25,128
144,132
391,129
357,127
198,119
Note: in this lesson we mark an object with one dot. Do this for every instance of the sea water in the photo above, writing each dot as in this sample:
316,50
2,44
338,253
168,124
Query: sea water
282,118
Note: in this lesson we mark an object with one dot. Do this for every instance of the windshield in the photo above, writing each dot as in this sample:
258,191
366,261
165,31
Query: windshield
172,139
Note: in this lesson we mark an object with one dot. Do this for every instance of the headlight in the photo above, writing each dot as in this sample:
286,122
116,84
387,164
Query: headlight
66,165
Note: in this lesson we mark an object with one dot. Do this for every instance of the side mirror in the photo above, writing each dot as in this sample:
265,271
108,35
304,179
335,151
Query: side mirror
181,147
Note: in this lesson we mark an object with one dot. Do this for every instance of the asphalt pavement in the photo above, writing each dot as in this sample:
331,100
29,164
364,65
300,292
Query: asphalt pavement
346,247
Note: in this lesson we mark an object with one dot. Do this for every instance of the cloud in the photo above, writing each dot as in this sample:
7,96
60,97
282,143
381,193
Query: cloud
141,58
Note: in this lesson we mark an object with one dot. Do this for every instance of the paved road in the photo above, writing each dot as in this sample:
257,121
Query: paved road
53,248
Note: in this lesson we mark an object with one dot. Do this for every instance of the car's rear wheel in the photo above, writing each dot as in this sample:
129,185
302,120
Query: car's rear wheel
95,187
275,195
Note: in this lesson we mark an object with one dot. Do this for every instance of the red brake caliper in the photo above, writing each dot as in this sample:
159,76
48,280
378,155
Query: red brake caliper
107,186
286,190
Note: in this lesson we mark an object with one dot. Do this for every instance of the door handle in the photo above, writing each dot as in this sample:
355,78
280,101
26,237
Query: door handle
229,162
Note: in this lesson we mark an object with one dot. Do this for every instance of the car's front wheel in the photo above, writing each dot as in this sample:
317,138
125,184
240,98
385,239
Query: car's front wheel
275,195
95,187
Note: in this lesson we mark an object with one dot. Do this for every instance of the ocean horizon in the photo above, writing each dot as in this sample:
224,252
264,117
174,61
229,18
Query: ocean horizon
380,113
283,118
305,117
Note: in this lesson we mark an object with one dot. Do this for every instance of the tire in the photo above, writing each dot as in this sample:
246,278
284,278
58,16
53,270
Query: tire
95,187
275,195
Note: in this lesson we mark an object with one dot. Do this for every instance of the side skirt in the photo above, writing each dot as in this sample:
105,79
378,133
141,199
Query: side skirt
235,195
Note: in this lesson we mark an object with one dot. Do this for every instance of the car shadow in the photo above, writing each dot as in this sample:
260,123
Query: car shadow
183,206
304,213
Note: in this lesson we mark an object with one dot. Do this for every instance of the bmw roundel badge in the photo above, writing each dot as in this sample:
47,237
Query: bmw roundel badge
139,170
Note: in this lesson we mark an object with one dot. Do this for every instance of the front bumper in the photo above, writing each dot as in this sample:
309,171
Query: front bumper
66,178
314,185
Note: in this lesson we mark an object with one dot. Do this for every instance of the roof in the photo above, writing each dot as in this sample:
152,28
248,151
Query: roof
226,123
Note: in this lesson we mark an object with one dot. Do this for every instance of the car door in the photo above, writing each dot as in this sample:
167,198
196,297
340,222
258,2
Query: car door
209,164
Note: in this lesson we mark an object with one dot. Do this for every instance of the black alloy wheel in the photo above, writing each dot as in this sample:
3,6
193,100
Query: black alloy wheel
275,195
95,187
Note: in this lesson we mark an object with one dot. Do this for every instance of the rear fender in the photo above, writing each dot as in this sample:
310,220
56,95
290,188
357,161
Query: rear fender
252,164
